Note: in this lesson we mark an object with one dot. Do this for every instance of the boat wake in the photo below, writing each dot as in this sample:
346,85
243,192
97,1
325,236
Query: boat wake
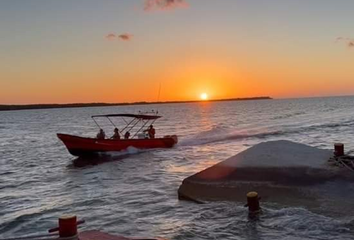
128,151
218,134
222,134
106,157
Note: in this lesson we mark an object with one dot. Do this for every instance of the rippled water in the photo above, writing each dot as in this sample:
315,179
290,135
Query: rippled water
135,193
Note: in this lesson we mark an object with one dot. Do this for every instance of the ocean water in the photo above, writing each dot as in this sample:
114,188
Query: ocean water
135,193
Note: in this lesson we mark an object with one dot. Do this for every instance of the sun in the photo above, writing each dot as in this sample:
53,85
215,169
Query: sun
204,96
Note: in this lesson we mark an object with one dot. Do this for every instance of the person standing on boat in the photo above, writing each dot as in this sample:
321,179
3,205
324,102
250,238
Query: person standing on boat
101,134
116,135
127,135
151,132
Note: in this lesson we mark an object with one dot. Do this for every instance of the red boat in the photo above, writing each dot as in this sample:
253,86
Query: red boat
83,146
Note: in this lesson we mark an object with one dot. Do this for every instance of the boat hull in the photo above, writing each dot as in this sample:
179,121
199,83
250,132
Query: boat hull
80,146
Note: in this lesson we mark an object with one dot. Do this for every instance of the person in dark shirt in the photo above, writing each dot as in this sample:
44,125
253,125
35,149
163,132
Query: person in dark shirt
127,135
116,135
101,134
151,132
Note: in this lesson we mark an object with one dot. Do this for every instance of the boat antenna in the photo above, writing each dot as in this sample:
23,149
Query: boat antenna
158,95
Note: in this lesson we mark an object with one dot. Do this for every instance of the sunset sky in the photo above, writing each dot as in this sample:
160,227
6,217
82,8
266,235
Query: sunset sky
57,51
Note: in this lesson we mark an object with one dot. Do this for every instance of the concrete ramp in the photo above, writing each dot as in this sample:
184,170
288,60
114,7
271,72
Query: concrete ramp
280,171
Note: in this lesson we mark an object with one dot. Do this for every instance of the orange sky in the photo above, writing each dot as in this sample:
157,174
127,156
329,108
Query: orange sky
64,56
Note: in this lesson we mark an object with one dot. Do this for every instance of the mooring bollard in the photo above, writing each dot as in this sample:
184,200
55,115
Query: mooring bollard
253,202
338,149
67,226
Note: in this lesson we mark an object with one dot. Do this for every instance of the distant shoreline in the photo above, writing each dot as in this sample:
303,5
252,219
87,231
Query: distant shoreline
80,105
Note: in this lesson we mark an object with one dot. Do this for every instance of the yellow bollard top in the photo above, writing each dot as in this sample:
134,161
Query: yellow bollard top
252,194
67,216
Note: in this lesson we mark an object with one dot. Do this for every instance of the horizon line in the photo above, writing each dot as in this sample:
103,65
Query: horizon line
13,107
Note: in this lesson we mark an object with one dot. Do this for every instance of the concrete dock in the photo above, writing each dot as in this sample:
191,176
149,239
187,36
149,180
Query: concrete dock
280,171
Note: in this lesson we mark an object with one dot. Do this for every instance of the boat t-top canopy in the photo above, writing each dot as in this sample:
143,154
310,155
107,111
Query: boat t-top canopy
144,119
137,116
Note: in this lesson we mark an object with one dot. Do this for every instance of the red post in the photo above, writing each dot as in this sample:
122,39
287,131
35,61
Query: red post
67,226
339,149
